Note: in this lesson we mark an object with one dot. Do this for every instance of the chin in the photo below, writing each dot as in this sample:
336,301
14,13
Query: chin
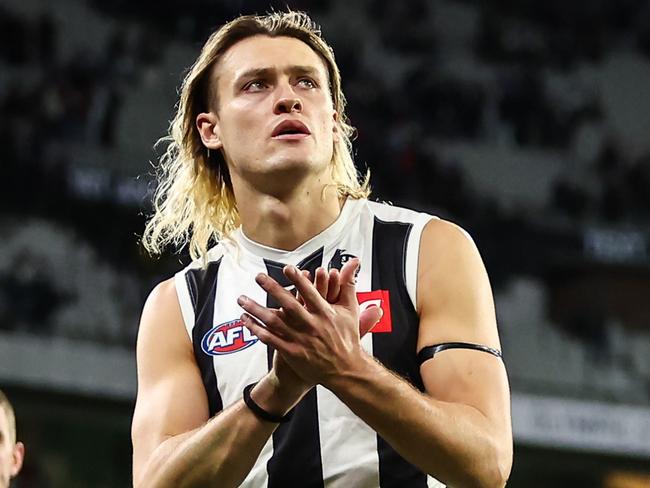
291,162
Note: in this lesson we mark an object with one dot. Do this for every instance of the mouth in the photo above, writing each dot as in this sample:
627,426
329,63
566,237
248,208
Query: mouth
290,130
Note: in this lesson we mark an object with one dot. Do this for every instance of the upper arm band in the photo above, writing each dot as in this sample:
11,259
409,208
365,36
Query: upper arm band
427,352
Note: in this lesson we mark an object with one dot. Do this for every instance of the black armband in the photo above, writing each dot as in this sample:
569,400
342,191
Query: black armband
428,352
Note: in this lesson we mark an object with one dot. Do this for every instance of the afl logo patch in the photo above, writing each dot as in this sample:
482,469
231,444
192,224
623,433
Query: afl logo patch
227,338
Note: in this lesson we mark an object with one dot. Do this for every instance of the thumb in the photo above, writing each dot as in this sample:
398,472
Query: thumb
369,318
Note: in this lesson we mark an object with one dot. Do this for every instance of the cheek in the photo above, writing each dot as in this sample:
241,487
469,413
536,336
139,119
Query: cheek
325,124
237,132
240,116
328,136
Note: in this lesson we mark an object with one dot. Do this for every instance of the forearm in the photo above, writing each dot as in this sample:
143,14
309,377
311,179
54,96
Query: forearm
451,441
222,451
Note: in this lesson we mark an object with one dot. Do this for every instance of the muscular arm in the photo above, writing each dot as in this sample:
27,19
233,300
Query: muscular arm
459,431
174,442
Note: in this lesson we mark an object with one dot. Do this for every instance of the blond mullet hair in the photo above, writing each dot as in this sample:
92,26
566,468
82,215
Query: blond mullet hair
194,202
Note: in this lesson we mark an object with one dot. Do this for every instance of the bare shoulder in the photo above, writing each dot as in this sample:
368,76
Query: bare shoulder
171,399
164,347
162,299
161,325
444,239
454,296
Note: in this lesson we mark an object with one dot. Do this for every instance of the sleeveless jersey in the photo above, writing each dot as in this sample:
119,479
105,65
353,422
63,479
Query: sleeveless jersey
324,444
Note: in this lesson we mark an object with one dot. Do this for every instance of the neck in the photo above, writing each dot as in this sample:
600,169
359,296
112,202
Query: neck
287,221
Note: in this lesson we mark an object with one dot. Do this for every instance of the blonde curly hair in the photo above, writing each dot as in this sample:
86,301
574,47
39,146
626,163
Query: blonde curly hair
194,202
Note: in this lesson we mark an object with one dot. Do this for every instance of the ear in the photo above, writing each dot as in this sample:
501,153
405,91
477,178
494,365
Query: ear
17,457
207,124
335,126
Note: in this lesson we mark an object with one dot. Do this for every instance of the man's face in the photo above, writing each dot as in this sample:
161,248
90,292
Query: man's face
11,453
275,114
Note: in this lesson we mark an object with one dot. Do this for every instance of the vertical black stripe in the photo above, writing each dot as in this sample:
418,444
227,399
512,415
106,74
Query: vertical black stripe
202,285
396,350
296,459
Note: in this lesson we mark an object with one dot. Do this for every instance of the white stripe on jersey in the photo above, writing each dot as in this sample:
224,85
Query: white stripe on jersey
334,417
249,364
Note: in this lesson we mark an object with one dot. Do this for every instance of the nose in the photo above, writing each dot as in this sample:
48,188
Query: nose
288,104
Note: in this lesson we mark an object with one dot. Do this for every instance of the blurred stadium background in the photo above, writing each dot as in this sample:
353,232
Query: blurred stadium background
526,122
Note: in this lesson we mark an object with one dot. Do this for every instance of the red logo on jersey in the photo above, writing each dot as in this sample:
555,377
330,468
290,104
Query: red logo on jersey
227,338
379,298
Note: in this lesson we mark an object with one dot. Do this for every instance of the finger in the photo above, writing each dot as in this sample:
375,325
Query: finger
262,333
321,282
307,275
333,286
313,300
290,305
347,295
369,318
271,319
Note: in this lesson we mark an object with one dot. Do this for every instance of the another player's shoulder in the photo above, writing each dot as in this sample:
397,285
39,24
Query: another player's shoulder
387,212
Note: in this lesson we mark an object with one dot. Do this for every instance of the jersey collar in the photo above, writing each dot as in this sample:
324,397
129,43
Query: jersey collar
330,234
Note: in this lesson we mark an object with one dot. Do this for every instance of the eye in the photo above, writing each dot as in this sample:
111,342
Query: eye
254,86
307,83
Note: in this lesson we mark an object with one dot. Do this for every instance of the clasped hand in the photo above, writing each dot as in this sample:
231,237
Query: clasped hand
316,333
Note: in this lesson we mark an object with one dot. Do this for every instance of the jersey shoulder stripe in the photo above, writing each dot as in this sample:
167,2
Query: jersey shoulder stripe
388,213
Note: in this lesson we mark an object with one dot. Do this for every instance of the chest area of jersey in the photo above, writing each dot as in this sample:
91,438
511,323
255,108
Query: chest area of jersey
238,357
227,336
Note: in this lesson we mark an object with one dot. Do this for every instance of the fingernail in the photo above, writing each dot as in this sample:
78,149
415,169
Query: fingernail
242,300
261,278
381,310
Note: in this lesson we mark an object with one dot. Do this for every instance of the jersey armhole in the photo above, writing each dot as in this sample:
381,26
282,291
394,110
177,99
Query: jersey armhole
185,301
413,256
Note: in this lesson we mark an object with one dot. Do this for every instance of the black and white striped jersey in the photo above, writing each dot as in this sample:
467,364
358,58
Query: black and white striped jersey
324,444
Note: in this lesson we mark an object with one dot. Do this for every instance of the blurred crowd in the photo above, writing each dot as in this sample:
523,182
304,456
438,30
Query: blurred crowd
401,100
